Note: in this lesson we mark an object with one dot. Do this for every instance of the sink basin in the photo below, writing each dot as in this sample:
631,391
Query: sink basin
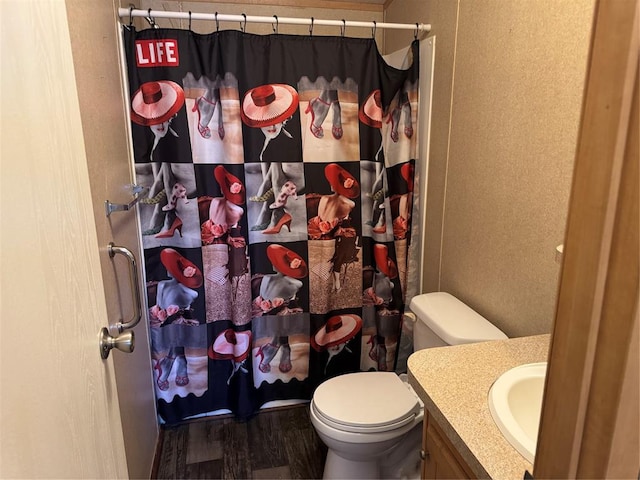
515,402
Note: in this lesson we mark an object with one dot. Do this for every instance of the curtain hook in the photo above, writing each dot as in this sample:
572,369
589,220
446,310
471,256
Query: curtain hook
189,19
217,23
275,27
373,30
151,21
131,7
243,24
343,29
415,34
311,28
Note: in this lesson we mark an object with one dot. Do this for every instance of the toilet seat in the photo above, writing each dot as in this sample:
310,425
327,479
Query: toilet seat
366,402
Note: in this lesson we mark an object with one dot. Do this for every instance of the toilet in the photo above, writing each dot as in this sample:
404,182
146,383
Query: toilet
371,422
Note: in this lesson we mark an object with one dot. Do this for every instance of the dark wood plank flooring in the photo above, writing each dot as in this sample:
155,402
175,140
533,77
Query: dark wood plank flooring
277,443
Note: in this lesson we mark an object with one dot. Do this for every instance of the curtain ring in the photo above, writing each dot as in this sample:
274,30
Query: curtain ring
243,24
311,28
373,30
189,19
217,23
343,29
415,34
150,19
275,27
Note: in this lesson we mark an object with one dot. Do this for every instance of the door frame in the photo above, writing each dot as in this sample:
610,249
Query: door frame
94,28
589,416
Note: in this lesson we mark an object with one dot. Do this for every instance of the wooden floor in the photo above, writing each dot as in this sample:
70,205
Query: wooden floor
278,443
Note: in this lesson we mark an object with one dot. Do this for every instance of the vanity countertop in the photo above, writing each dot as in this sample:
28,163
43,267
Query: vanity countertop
454,383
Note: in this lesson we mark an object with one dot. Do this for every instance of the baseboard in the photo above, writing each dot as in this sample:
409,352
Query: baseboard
156,455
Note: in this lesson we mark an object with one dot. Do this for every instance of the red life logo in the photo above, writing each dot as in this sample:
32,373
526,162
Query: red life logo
157,53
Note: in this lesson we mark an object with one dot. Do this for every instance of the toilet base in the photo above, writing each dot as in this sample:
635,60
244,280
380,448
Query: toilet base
337,467
400,461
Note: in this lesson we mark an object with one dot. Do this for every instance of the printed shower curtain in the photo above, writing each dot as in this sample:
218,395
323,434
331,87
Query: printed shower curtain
276,225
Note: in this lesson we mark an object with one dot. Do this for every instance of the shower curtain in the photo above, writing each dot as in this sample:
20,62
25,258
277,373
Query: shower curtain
278,214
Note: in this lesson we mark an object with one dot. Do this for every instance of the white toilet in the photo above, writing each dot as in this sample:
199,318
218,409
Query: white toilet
371,422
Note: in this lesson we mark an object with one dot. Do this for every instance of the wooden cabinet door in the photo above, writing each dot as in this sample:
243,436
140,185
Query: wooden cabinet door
442,461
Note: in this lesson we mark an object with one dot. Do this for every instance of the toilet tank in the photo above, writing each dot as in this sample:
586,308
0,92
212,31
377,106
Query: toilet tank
442,320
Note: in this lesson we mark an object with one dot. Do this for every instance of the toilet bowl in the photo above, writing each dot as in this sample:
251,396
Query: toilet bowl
361,417
371,422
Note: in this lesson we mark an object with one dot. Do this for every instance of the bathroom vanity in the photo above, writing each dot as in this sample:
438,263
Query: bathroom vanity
461,440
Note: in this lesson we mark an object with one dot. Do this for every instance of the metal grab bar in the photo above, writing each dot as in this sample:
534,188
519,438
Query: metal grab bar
135,292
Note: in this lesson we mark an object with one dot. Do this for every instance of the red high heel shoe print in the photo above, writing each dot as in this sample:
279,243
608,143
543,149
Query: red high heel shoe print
406,110
284,220
336,130
163,384
373,352
176,225
382,357
285,359
266,353
205,131
317,130
182,376
378,352
394,120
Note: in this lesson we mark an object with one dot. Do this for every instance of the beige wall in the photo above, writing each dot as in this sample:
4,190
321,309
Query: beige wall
360,11
507,100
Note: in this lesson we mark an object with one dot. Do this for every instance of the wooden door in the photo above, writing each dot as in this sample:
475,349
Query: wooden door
94,44
59,407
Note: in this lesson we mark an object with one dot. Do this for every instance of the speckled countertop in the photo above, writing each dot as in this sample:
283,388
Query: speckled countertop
454,383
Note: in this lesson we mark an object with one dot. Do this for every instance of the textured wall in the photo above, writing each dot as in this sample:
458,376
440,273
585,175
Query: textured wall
507,100
267,11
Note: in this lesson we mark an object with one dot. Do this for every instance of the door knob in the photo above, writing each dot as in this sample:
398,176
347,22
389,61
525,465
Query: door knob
125,342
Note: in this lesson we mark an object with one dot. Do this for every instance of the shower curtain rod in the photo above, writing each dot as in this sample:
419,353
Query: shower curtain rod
274,20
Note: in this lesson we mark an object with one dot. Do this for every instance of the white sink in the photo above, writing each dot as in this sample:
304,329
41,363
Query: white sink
515,402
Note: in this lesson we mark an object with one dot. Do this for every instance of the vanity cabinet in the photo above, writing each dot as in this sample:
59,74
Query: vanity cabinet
440,459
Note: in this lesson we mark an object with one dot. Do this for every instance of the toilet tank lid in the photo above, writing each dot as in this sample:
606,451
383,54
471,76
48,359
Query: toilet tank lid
453,321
